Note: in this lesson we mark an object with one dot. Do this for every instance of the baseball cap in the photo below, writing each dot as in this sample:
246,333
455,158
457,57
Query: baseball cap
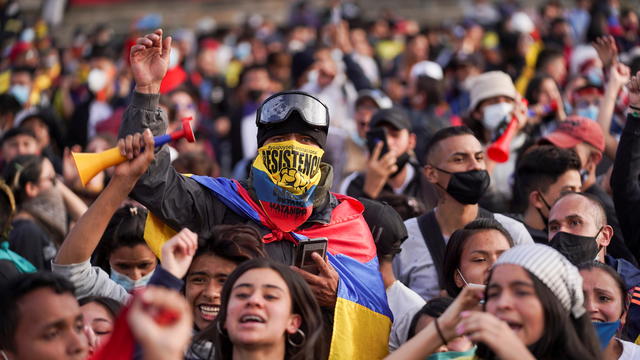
381,99
574,130
427,68
395,117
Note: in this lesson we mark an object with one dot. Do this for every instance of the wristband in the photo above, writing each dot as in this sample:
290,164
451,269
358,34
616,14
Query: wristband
440,331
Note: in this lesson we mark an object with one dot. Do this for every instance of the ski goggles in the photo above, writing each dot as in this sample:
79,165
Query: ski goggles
278,107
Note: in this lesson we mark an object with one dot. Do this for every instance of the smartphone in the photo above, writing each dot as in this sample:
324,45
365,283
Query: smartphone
374,136
303,258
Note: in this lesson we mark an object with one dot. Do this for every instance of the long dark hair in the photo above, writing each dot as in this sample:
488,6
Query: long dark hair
564,336
303,303
21,170
236,243
112,306
456,244
126,228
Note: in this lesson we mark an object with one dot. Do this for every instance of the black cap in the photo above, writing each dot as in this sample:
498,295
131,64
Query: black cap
395,117
386,222
294,124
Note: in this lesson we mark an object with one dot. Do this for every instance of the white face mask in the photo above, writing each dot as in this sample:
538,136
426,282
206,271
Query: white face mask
496,114
128,284
96,80
20,92
468,283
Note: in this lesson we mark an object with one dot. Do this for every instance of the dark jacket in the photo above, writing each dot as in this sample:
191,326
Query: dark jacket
539,236
182,202
626,186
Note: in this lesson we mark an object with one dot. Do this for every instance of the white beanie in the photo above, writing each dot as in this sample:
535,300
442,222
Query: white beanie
488,85
553,269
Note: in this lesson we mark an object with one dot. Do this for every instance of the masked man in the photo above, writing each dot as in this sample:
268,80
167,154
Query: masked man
578,229
456,167
286,198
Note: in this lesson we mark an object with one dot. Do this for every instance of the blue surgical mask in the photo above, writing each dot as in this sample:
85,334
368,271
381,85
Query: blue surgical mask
590,112
128,284
453,354
595,76
605,331
21,93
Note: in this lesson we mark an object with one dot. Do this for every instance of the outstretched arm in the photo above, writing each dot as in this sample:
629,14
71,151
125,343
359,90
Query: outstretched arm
83,239
619,76
626,171
176,200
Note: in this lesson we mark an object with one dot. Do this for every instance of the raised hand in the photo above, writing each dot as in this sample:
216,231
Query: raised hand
149,61
159,339
607,50
634,90
620,74
178,252
138,149
379,169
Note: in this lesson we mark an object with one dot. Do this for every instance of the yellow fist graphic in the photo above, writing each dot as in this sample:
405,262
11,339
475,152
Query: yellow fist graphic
292,179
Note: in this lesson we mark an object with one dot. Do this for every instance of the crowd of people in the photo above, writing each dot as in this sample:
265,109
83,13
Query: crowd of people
357,189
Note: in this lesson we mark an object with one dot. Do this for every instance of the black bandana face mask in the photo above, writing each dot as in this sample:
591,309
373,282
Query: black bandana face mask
467,187
578,249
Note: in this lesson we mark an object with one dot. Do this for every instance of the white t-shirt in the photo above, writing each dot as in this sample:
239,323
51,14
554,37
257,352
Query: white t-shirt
404,303
630,351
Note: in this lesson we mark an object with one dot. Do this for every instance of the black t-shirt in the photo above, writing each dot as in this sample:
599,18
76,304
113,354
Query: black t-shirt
8,271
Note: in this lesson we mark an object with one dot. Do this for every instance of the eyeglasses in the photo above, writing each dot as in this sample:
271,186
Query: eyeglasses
278,107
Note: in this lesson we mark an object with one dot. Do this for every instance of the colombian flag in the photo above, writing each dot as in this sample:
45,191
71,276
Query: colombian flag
362,319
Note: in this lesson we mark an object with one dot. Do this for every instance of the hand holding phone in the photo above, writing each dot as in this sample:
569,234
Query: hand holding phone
303,258
374,136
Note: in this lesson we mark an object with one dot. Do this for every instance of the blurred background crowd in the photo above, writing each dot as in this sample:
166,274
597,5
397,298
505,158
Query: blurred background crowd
554,69
72,92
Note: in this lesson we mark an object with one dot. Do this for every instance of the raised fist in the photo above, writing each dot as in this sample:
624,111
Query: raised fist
634,90
149,61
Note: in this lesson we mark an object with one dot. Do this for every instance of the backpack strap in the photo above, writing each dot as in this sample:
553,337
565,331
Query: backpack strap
433,239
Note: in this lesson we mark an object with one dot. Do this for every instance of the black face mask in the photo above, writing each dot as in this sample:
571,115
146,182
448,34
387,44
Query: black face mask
578,249
467,187
401,161
545,219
